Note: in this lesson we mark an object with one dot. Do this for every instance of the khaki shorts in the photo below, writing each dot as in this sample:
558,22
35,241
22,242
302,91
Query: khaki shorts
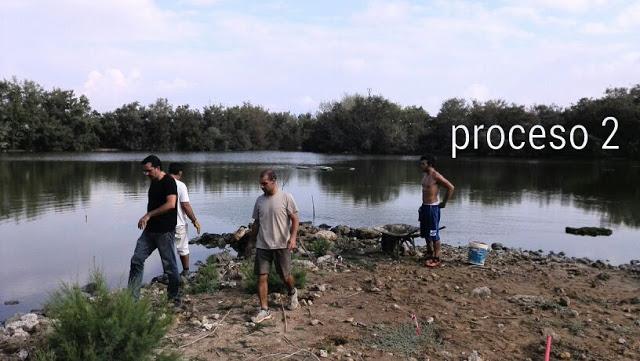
281,257
182,240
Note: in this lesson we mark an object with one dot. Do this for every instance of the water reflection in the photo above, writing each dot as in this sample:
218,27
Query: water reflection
30,188
61,213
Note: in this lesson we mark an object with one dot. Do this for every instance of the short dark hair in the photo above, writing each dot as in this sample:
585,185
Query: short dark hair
430,158
175,168
154,160
269,173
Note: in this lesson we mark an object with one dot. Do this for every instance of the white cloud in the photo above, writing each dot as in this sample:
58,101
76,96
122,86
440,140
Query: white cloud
201,2
568,5
173,85
629,17
477,92
111,87
625,21
384,12
412,54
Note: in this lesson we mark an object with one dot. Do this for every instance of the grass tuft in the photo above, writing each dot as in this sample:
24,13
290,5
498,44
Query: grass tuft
250,279
320,247
403,338
206,280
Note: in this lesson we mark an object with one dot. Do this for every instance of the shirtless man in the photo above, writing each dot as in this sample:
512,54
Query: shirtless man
429,212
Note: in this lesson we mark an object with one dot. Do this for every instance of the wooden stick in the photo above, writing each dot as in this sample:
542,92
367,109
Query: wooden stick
284,316
269,355
304,349
353,294
297,352
207,335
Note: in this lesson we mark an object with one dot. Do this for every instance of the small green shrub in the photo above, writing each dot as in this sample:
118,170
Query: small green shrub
320,247
250,279
403,338
206,280
109,326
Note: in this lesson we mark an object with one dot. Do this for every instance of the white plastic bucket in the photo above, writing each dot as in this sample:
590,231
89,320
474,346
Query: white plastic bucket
477,253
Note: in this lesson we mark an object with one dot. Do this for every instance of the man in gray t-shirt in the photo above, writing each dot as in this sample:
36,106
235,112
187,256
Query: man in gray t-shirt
276,221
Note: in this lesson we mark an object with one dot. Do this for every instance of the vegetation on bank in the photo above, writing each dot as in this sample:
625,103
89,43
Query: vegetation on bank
35,119
106,326
275,284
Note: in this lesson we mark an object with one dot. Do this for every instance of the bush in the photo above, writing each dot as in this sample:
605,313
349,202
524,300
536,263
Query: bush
320,247
402,338
206,280
107,326
275,283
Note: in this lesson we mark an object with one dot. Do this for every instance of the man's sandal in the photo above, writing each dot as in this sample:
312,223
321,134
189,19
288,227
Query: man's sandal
433,262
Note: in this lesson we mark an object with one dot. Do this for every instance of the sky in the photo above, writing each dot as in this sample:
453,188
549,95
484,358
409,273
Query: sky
294,55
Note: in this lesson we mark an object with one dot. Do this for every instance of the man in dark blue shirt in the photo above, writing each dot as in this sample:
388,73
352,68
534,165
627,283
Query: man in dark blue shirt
158,225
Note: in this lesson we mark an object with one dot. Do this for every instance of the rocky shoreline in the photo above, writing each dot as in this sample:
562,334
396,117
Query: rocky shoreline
360,303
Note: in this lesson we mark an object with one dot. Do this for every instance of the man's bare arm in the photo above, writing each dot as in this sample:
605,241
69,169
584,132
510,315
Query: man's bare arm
255,227
295,222
164,208
448,185
188,210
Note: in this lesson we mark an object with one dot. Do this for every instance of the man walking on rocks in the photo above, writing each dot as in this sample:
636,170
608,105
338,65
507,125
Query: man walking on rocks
429,212
276,222
158,229
184,211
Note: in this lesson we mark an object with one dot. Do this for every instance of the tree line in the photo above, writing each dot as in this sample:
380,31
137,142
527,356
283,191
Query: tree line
35,119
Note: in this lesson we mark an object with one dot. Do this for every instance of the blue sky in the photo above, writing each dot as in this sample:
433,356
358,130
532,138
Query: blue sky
294,55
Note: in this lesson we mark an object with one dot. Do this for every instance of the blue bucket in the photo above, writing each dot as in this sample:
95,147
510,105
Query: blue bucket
477,253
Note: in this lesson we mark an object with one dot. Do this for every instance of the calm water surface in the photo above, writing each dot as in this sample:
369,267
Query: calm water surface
60,214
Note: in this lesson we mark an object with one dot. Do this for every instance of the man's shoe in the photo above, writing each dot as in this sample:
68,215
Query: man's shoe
177,305
163,279
184,277
261,316
293,300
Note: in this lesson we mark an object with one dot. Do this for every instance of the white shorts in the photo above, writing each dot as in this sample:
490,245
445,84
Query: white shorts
182,240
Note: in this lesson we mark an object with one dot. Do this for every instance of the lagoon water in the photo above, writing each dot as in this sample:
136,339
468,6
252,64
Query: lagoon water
63,214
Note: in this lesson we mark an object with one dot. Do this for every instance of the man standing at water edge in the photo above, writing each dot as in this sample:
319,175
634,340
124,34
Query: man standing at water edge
429,212
184,211
159,226
275,217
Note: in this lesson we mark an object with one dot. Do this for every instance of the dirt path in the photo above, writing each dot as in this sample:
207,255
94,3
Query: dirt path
362,309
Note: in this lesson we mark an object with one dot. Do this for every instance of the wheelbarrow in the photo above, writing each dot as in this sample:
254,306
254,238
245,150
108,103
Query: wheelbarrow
394,236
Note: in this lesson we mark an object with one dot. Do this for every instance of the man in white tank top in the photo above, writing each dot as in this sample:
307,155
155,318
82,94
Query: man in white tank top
184,211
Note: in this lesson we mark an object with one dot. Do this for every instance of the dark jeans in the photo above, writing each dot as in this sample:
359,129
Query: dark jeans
146,244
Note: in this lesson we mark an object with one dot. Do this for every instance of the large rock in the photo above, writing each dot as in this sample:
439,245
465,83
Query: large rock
306,264
220,258
325,259
342,230
481,292
237,235
474,356
528,300
367,233
328,235
589,231
26,323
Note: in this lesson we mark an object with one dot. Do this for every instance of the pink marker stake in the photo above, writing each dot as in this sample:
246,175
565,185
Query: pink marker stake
547,352
415,320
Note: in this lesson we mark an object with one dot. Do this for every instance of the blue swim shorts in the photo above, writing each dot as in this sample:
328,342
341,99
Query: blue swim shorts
429,217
